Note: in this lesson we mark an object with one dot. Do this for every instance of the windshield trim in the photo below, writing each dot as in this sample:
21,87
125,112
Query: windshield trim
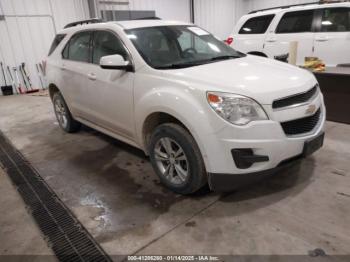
192,64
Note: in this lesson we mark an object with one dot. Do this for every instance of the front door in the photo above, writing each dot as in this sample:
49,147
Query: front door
110,92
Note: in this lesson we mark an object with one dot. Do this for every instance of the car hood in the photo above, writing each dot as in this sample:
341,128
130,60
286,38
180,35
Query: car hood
259,78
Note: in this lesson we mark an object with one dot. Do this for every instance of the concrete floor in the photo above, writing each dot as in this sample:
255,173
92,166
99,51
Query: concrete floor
113,191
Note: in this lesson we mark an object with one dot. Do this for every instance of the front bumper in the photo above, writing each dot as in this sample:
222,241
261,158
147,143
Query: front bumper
268,143
230,182
227,182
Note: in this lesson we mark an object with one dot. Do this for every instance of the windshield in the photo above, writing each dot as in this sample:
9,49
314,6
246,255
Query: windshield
171,47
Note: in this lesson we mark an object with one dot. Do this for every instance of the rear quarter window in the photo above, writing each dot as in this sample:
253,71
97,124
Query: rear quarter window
335,20
58,39
256,25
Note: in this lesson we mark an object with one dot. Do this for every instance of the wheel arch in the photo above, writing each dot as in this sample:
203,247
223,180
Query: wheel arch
53,89
155,119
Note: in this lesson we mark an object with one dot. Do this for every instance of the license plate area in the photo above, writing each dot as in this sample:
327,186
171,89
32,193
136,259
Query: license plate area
313,145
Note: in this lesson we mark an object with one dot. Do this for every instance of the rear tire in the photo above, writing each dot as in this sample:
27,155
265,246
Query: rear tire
63,115
176,159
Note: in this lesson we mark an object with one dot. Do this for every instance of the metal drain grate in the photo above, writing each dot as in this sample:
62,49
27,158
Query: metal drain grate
67,237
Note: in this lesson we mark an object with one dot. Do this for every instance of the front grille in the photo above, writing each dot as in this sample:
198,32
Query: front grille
302,125
295,99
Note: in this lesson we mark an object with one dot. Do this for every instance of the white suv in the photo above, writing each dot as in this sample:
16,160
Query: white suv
322,30
202,111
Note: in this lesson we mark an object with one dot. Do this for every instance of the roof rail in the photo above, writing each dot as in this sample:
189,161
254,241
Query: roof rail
288,6
147,18
89,21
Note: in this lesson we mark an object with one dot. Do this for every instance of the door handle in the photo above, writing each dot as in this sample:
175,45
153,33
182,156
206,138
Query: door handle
322,39
63,68
92,76
271,40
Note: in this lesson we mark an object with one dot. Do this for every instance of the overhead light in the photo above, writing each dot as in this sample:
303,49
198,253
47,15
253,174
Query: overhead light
131,36
111,2
247,29
327,23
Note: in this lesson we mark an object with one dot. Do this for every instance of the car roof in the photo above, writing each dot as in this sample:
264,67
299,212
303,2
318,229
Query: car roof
131,24
148,23
297,8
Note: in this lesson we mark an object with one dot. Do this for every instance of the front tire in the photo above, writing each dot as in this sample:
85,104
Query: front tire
63,115
176,159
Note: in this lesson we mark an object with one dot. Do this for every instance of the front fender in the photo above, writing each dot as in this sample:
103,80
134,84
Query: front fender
187,105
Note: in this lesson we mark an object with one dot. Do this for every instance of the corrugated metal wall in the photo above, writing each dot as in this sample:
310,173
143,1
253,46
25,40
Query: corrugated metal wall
29,28
219,16
165,9
216,16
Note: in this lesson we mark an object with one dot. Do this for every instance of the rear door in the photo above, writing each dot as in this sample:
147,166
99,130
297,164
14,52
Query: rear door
293,26
76,58
332,41
109,93
251,35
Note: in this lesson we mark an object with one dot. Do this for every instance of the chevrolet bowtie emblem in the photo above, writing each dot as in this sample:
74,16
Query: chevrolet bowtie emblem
310,110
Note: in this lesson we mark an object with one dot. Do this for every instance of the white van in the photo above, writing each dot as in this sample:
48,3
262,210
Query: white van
322,30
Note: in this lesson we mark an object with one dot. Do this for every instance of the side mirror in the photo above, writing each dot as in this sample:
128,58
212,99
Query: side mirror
115,62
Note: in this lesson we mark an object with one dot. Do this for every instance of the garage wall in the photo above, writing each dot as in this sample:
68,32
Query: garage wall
165,9
216,16
29,28
219,16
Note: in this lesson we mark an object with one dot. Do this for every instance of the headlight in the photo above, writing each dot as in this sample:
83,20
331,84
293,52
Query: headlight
236,109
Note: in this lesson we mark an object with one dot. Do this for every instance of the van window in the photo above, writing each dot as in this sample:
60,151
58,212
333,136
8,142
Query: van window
296,22
256,25
335,20
106,43
58,39
78,48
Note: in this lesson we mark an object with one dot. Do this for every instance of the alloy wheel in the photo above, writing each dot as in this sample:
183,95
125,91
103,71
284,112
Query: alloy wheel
61,113
171,161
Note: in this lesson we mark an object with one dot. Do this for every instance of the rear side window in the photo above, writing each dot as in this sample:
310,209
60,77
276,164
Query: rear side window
106,43
78,48
58,39
335,20
296,22
256,25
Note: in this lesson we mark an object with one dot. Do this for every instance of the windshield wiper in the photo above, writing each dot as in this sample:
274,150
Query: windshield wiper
223,57
178,66
197,63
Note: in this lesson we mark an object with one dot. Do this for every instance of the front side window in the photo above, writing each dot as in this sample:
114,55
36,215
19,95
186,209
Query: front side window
104,44
166,47
256,25
78,48
296,22
335,20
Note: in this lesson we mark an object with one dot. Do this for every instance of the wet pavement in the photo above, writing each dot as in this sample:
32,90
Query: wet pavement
113,191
